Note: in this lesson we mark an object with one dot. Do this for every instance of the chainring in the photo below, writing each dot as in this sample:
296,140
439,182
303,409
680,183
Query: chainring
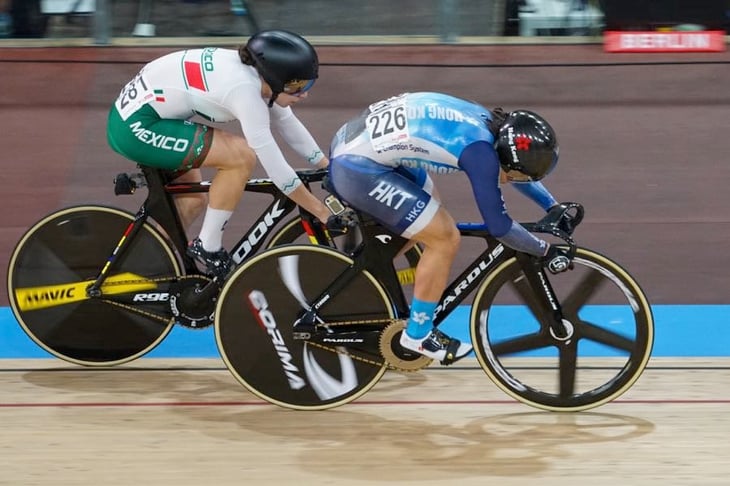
186,306
396,355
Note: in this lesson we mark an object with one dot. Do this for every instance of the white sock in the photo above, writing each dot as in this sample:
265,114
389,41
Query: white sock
211,234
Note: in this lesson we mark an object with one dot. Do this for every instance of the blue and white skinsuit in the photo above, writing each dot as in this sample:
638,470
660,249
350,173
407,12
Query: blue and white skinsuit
380,163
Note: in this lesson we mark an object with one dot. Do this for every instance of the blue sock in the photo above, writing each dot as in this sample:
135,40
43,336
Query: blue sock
420,322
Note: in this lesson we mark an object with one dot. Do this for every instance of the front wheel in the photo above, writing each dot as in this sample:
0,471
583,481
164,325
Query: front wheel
608,339
254,319
61,255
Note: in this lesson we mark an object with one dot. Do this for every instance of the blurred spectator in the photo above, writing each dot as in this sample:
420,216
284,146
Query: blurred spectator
6,21
27,19
512,17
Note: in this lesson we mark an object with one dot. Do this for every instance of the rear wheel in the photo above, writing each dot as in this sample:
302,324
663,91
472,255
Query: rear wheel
61,255
607,319
254,320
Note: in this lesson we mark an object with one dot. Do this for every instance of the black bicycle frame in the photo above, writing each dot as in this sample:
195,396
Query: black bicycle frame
160,205
380,246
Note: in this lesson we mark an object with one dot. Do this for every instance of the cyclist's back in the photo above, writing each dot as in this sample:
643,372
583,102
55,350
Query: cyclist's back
427,130
210,82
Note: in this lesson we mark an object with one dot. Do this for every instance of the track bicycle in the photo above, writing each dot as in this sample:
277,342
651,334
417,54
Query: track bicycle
98,286
311,327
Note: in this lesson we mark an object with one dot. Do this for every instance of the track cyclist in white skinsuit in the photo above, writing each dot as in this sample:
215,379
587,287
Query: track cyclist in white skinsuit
150,123
380,162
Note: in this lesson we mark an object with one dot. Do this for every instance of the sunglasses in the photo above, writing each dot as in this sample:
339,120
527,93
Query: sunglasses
295,87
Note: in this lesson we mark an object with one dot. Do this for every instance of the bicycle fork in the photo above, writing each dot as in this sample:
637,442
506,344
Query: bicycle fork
560,329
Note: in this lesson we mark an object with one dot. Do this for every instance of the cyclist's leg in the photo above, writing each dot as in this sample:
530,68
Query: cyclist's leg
144,137
190,206
440,240
436,231
402,200
174,145
181,145
234,160
420,177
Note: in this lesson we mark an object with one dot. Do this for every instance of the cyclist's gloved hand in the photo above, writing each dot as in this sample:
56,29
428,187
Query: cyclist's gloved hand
556,260
565,223
340,224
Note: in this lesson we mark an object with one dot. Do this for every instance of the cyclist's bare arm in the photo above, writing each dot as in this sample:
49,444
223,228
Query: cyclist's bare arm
304,198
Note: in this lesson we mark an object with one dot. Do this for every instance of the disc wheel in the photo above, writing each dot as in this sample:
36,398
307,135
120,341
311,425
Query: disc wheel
254,319
57,259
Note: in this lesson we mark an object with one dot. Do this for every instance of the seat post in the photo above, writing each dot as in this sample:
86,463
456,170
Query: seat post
161,207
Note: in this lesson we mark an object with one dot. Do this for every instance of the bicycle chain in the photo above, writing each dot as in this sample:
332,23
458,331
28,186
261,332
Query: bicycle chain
350,355
138,311
139,281
385,363
361,321
133,308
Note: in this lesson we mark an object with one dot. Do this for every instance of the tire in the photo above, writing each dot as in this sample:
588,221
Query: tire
610,315
254,328
292,231
64,252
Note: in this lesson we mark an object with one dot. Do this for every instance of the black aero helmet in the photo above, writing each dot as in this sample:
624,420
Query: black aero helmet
527,143
282,58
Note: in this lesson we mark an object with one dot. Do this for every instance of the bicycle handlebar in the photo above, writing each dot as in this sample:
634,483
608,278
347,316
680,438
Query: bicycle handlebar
560,222
312,175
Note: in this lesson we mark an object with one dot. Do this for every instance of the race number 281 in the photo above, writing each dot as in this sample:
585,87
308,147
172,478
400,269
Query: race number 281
136,93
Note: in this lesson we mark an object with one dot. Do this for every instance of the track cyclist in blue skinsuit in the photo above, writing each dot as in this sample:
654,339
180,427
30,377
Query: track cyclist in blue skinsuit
380,163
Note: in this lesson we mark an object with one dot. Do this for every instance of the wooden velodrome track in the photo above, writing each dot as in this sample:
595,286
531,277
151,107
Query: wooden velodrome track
190,423
643,147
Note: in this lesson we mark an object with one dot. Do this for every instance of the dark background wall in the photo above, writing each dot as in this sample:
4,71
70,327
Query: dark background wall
648,14
186,18
447,19
643,140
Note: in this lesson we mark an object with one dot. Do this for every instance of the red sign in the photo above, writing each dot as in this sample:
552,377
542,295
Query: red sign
674,41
